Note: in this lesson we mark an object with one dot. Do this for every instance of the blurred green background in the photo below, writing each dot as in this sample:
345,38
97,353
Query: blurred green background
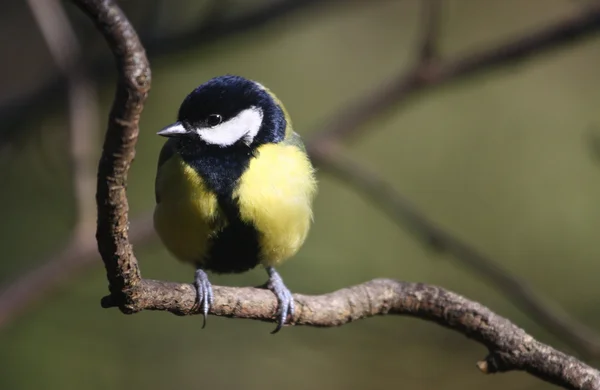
502,160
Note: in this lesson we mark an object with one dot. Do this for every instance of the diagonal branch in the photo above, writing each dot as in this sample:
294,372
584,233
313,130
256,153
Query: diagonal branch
509,346
18,297
408,85
208,32
16,112
64,48
406,215
79,253
349,121
454,69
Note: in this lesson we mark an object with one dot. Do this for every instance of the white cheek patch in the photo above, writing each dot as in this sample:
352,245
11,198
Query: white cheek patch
244,126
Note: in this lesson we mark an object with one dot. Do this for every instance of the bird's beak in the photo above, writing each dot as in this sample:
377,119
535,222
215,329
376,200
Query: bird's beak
173,130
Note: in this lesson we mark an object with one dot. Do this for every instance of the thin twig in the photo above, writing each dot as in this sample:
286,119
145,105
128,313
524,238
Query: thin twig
408,85
14,114
32,286
355,115
212,14
510,348
429,50
325,150
79,255
208,32
406,215
83,123
83,106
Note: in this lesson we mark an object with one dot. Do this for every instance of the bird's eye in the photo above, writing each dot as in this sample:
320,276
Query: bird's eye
214,119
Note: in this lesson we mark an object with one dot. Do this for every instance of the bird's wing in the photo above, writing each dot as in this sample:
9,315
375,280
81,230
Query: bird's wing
167,151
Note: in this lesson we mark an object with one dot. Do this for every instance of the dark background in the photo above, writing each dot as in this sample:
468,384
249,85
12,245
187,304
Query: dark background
504,161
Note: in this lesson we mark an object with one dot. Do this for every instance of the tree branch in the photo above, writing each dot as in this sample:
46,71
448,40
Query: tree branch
510,347
64,47
80,252
391,94
119,147
406,215
14,114
426,75
429,50
79,255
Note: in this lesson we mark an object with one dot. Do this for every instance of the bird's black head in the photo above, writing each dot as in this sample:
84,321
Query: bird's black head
229,111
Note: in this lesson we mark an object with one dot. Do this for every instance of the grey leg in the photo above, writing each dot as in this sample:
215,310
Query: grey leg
284,297
204,293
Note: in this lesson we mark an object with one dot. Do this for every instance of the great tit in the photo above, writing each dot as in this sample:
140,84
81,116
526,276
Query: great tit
234,186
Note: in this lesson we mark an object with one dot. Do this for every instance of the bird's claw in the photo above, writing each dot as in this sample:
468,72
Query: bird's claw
204,294
284,298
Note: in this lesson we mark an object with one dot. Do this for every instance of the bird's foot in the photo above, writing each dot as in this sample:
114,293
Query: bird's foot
204,293
284,298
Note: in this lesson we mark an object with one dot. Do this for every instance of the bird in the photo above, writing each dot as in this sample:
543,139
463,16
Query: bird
234,186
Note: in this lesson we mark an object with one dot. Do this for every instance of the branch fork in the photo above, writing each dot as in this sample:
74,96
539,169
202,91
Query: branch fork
511,348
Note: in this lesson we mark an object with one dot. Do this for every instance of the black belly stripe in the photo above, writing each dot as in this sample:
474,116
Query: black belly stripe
236,248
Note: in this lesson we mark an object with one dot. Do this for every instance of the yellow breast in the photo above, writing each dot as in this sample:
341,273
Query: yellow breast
275,194
187,214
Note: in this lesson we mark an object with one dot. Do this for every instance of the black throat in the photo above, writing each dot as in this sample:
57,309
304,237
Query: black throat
236,248
220,168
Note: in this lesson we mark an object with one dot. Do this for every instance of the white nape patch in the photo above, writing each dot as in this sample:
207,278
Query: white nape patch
244,125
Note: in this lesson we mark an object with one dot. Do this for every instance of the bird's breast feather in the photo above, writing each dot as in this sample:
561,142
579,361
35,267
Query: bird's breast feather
275,194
